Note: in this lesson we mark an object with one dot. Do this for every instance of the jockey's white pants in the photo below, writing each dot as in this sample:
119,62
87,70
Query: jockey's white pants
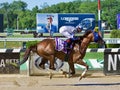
64,31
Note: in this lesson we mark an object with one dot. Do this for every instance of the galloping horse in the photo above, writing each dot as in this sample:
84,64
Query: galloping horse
46,49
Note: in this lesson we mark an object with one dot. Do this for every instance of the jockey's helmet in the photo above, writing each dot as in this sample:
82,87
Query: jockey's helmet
79,27
96,29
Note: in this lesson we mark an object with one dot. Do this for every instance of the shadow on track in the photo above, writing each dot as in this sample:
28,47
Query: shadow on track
90,84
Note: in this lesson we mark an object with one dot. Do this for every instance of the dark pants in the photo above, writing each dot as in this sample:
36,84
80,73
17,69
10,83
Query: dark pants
69,42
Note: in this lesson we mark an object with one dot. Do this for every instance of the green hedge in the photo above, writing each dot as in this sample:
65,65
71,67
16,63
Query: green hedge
114,34
113,45
108,45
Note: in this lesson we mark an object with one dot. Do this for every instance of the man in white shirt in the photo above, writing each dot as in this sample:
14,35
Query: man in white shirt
69,32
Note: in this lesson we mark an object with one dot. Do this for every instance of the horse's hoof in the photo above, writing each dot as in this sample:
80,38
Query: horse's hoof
52,68
40,66
50,75
73,73
80,78
68,75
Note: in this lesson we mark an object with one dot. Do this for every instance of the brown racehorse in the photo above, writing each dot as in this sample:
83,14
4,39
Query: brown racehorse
46,49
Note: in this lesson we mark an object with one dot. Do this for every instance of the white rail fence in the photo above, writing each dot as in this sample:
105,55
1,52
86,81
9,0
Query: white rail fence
107,40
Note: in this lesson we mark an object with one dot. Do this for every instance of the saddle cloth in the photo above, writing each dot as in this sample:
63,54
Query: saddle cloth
60,45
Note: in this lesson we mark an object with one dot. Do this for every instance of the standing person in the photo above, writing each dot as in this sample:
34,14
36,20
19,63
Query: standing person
50,28
69,32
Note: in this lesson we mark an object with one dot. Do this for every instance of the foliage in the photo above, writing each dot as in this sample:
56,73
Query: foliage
115,34
110,8
113,45
17,11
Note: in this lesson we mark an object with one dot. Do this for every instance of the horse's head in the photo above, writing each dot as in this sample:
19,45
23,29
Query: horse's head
98,39
95,37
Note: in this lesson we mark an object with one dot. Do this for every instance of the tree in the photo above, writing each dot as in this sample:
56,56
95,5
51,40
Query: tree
11,12
18,6
110,8
5,8
27,18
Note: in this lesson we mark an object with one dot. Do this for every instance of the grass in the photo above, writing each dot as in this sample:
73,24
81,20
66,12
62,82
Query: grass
18,35
11,44
94,55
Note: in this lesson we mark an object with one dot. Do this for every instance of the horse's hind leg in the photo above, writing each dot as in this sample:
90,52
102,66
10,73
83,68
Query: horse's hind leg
80,62
52,61
42,64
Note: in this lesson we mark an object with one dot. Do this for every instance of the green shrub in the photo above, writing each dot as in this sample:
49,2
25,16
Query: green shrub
113,45
114,34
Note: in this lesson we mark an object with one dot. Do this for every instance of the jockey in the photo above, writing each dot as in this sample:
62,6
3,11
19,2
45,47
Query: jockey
69,32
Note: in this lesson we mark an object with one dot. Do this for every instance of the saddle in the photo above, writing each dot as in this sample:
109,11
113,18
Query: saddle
61,45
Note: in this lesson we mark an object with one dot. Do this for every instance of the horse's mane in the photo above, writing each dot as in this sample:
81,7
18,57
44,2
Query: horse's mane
87,33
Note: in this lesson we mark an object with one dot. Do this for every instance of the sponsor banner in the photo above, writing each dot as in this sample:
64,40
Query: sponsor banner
51,22
111,63
7,63
85,20
92,63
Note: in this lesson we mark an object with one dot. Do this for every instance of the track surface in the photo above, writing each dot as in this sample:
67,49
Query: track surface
94,81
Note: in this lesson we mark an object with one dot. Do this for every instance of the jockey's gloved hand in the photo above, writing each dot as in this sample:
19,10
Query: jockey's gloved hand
75,38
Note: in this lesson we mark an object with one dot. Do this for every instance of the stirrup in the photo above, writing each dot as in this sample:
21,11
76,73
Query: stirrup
68,48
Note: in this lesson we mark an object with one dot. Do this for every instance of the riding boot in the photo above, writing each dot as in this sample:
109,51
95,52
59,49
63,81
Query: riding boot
67,46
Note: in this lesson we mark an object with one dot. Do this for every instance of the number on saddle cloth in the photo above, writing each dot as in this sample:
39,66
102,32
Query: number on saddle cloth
61,45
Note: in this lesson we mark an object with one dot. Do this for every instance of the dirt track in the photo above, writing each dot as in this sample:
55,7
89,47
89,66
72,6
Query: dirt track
93,81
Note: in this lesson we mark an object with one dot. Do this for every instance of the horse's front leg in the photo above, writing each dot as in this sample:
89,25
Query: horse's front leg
71,66
80,62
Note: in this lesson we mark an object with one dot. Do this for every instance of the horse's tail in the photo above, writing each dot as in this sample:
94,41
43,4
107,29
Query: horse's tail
27,54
